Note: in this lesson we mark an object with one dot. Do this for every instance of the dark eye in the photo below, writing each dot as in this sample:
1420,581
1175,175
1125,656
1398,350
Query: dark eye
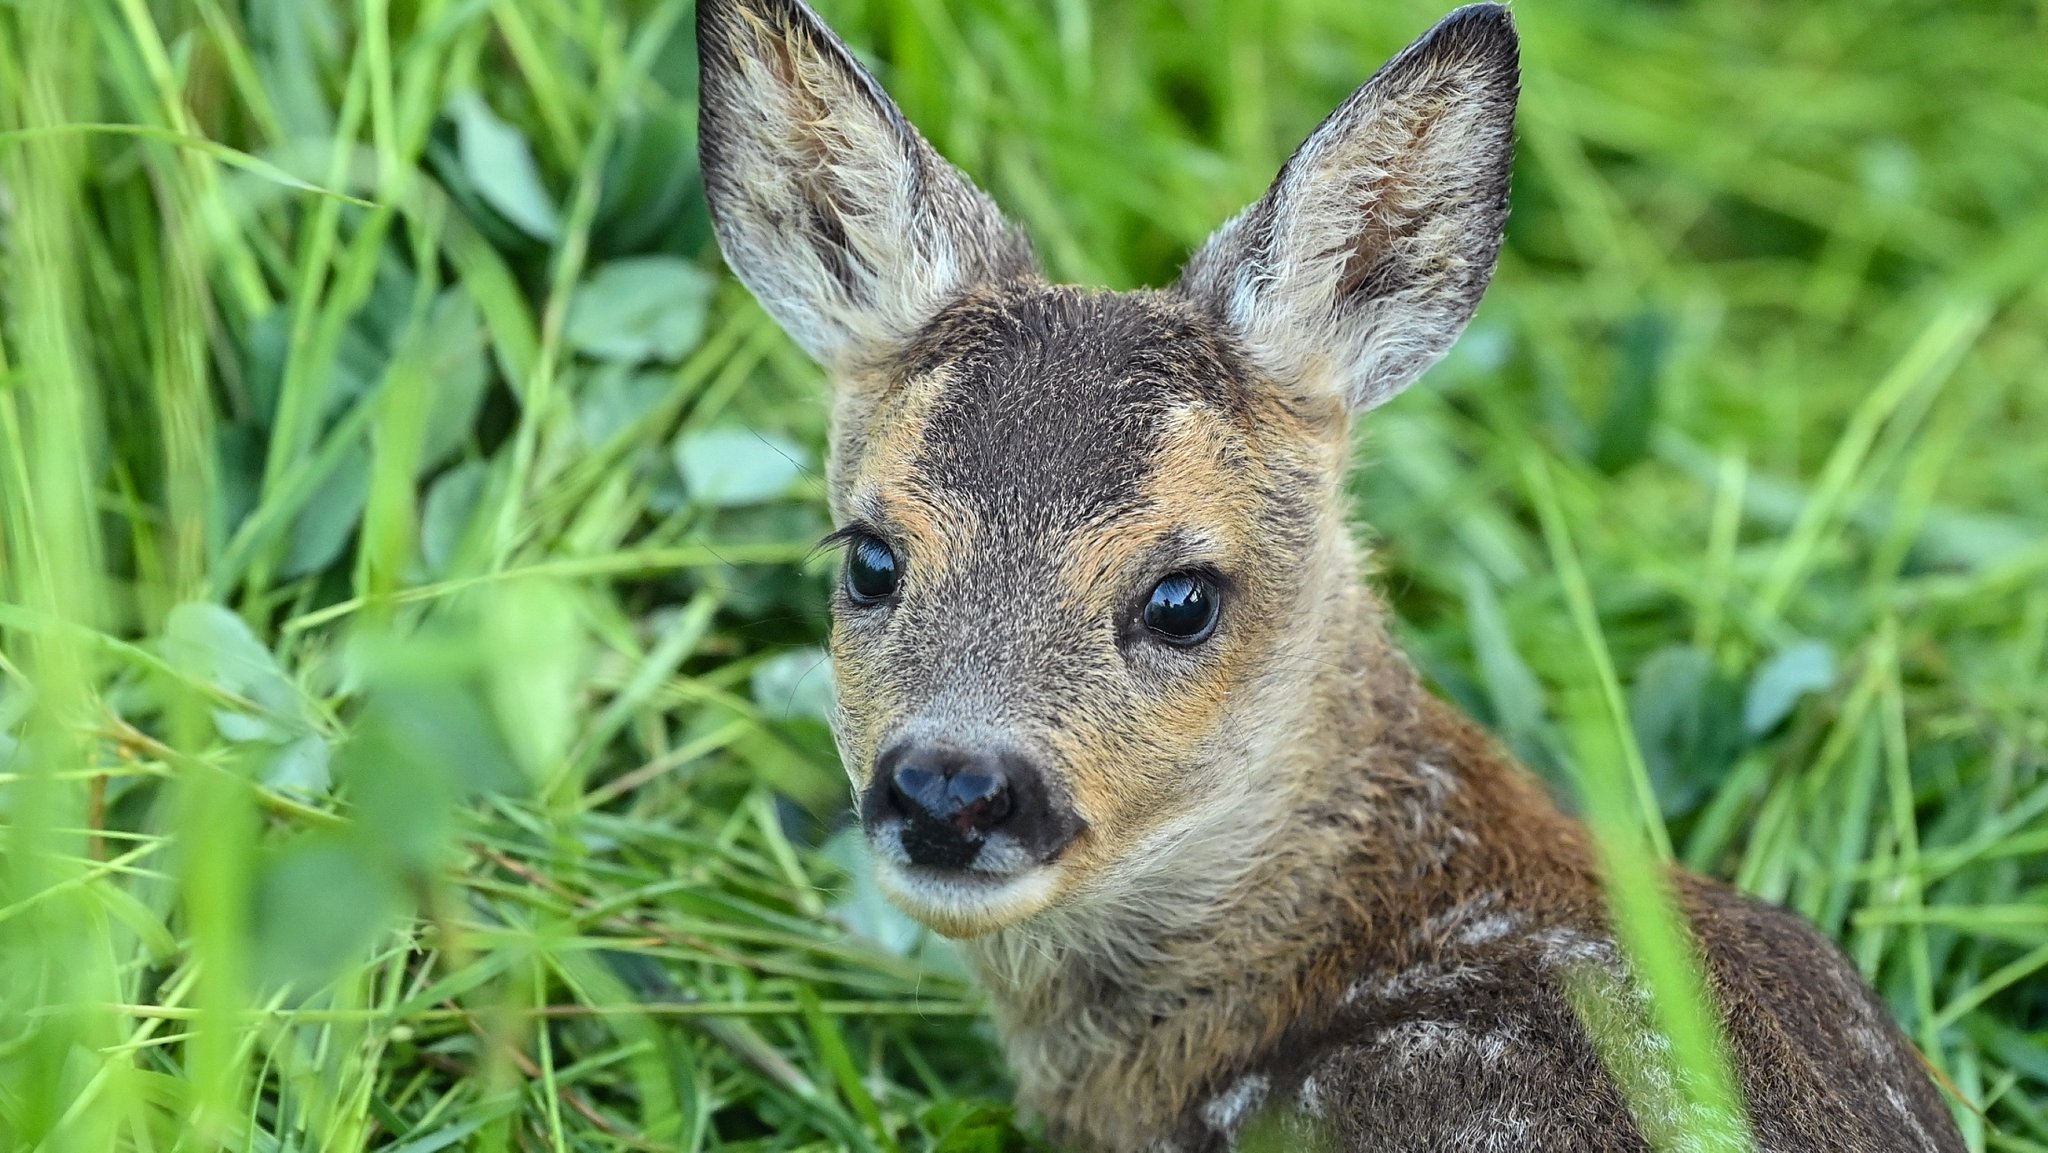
1181,609
871,571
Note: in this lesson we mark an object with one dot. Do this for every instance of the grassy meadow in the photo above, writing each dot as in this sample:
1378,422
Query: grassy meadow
411,703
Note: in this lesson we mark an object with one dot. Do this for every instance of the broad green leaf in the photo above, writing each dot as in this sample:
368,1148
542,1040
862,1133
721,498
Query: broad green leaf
499,164
243,728
424,742
296,44
445,517
829,1040
319,904
640,309
265,343
300,767
806,775
1515,696
328,522
727,467
795,683
651,191
239,456
213,644
967,1126
1791,673
861,906
1480,352
454,346
140,919
615,398
1686,723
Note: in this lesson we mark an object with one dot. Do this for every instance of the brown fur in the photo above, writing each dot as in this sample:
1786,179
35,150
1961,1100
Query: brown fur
1288,882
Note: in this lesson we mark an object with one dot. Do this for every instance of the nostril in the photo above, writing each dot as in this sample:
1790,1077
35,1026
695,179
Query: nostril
940,804
969,797
978,800
919,790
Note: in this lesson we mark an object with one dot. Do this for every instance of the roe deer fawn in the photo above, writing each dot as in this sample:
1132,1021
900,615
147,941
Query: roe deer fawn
1118,709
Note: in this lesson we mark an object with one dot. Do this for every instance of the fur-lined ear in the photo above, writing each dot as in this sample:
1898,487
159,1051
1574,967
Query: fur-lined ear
1364,261
846,225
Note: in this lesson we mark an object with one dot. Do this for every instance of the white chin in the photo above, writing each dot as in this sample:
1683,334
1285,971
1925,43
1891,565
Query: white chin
965,902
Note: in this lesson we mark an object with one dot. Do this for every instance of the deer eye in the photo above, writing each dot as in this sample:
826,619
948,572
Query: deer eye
1181,609
871,571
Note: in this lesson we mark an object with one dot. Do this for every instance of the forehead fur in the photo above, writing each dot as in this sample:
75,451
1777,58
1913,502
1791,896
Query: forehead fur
1057,399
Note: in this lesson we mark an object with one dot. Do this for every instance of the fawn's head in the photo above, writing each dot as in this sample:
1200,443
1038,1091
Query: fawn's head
1087,534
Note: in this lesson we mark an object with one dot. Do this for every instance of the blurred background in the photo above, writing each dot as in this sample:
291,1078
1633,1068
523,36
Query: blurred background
411,702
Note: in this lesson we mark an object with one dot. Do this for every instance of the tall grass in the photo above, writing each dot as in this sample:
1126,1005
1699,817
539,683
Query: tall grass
410,702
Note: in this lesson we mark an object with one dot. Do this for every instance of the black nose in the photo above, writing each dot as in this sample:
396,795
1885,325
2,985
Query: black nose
952,798
973,798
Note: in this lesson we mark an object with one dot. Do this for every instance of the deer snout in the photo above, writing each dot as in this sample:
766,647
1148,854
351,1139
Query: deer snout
968,801
953,807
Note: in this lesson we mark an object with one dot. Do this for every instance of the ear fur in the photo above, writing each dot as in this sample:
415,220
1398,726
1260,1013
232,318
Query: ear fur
846,225
1367,257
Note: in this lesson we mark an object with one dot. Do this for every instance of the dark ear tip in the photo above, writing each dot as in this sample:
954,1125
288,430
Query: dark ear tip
714,21
1484,31
1487,19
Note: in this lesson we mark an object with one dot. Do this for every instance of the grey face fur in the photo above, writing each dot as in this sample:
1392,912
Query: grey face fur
1039,457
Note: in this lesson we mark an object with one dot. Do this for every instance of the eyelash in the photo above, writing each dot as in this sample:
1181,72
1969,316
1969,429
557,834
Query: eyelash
846,535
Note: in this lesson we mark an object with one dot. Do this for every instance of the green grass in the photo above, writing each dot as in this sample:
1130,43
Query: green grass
409,693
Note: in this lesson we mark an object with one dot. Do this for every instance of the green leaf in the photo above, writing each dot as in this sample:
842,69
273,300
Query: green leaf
1686,722
796,683
728,467
299,767
242,728
863,909
640,309
424,743
651,191
615,398
499,164
454,346
327,523
445,518
265,345
1515,696
535,670
214,645
960,1126
837,1056
238,459
1514,691
320,902
1794,671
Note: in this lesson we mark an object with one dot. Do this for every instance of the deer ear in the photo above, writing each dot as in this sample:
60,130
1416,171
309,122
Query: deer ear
847,226
1362,264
